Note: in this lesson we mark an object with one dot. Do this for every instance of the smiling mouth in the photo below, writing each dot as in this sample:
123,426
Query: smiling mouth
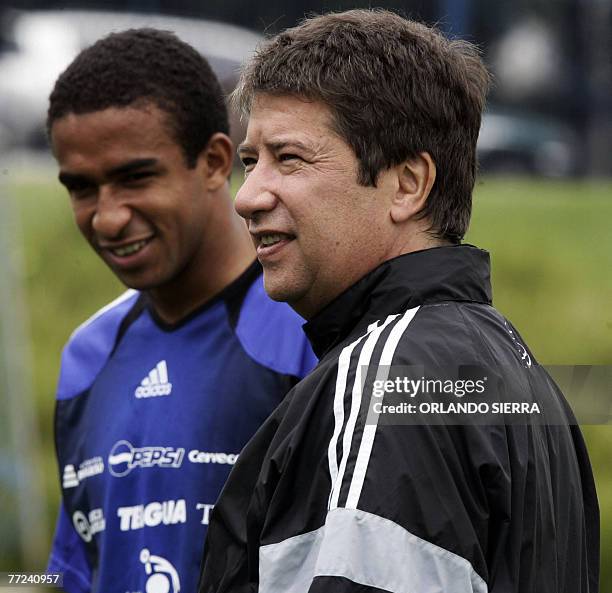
130,249
271,239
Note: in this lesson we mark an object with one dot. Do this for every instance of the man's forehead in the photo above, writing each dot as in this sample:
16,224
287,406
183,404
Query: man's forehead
284,119
138,119
141,114
99,142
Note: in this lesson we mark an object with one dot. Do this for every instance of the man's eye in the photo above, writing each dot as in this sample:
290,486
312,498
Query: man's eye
288,157
80,191
136,177
248,163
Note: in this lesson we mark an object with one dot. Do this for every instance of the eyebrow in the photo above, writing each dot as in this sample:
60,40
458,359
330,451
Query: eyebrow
69,179
275,146
131,166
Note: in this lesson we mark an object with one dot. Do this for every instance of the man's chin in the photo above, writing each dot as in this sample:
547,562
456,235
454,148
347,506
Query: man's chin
138,282
298,300
278,294
279,289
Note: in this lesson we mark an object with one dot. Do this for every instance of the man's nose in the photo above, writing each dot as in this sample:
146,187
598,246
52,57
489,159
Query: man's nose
257,194
111,216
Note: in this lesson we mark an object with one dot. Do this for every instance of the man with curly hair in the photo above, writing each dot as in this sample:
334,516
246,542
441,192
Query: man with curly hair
160,390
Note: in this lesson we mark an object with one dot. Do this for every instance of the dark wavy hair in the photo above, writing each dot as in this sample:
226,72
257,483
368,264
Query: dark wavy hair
145,65
395,88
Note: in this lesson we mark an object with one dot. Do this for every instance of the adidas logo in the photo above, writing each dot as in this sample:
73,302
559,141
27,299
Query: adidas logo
155,383
70,479
74,475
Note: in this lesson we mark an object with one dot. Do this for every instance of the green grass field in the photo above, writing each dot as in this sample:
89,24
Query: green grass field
551,248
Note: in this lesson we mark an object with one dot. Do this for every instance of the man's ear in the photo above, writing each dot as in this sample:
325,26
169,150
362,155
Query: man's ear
416,178
217,160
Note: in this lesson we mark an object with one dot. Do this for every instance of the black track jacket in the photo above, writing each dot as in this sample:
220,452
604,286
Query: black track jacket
323,501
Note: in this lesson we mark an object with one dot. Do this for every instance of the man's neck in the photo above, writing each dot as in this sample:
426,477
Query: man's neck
228,253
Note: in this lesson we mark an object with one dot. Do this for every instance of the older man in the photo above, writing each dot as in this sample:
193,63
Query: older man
360,163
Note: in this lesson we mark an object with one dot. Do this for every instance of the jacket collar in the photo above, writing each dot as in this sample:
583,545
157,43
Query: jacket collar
450,273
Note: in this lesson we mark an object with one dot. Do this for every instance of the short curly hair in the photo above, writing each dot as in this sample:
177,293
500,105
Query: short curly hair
395,88
141,65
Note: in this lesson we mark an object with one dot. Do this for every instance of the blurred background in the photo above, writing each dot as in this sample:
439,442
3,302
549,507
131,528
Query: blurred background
542,204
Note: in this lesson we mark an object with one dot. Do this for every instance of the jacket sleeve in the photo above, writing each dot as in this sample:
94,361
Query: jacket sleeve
68,556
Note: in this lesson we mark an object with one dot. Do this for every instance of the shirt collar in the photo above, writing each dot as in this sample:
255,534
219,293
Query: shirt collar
449,273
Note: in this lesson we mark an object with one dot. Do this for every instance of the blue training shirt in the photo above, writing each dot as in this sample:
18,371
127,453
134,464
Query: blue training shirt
150,419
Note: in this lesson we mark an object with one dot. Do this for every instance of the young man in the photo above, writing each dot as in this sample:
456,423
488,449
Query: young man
160,390
360,158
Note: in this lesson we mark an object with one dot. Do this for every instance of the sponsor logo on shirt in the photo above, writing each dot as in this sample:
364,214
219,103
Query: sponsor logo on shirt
88,526
162,577
196,456
156,383
72,476
167,512
123,457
